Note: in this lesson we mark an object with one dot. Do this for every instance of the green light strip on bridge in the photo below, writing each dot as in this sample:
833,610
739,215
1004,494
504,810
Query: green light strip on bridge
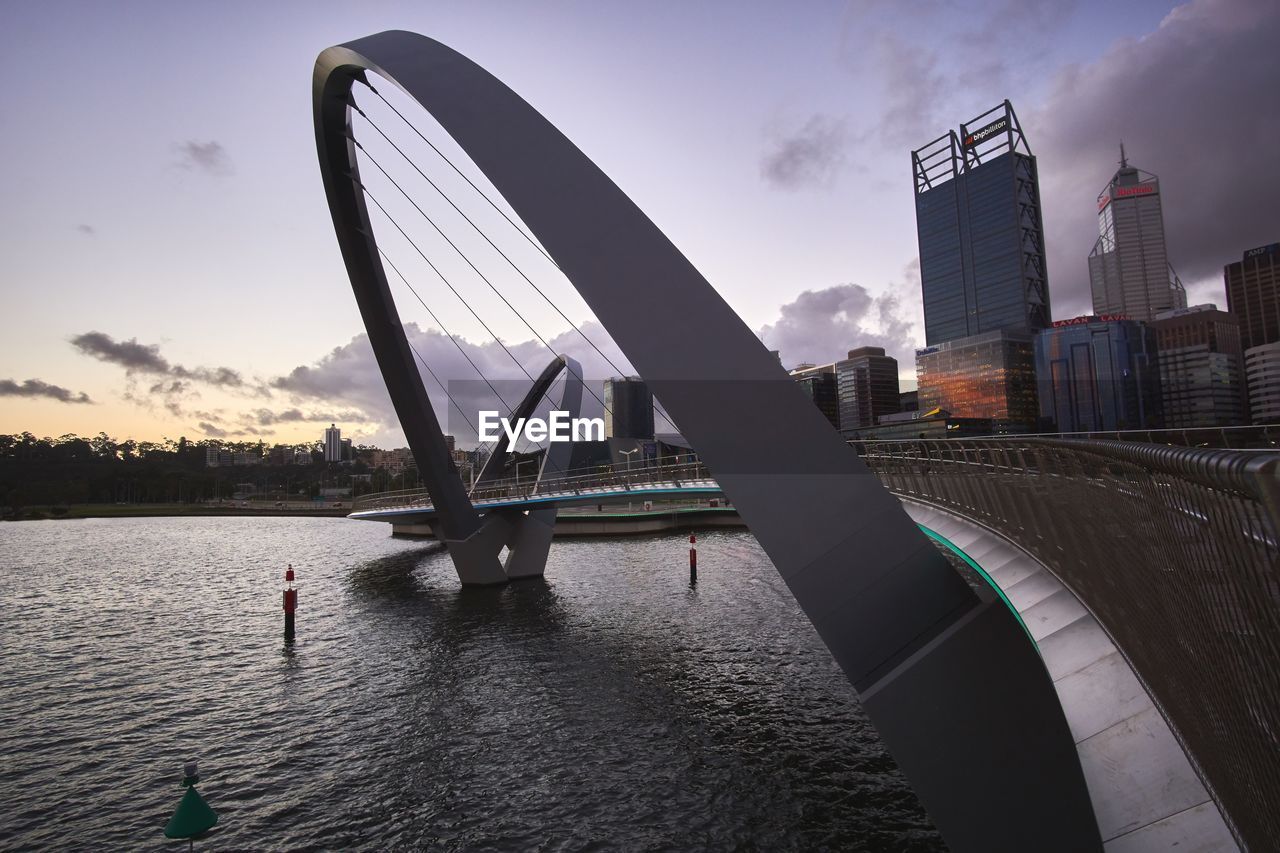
969,561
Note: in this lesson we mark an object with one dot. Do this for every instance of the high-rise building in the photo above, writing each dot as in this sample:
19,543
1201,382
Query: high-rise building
990,376
1201,367
628,408
1262,369
867,382
347,450
1253,295
333,444
1129,270
1098,373
819,382
980,230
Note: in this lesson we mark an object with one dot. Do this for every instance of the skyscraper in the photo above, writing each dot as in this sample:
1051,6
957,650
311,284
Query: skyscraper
819,382
1253,295
333,444
1129,270
867,384
1098,374
1201,367
628,408
980,231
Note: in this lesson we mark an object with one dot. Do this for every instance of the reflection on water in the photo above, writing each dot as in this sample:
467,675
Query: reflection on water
607,706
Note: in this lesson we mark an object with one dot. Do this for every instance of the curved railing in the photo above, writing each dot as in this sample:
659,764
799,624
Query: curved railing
583,481
1174,550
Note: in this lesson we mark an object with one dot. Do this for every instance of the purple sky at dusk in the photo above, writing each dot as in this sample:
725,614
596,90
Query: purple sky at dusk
169,267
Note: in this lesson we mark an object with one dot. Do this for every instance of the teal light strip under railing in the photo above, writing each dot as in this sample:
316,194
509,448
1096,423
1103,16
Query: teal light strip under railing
971,563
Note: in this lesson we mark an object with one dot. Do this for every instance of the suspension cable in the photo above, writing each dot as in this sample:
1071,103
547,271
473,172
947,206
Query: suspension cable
519,230
574,326
486,237
469,263
448,284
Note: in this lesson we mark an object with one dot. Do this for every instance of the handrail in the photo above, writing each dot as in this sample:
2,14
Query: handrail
1175,550
513,488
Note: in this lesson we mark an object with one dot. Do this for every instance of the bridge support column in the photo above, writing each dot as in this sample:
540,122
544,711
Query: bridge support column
530,543
476,557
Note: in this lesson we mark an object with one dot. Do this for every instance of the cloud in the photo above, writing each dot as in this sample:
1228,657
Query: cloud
348,376
211,430
39,388
87,230
172,385
267,417
146,359
208,157
821,326
1193,102
811,156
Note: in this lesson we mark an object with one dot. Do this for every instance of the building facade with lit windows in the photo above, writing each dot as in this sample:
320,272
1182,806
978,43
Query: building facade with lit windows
1098,373
991,376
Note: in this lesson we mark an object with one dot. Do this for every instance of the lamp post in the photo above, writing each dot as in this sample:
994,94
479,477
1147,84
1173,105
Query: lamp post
627,475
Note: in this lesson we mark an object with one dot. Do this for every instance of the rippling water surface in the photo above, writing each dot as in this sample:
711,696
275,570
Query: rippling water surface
609,706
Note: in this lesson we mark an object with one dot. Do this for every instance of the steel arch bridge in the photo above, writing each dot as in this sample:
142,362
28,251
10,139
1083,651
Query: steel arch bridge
962,699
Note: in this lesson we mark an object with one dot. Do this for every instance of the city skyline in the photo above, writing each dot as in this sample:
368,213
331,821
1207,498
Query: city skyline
178,272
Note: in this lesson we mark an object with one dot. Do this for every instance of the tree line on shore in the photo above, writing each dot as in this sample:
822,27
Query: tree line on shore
72,469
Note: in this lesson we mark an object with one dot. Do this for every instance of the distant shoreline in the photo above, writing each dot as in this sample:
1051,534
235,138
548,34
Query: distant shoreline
83,511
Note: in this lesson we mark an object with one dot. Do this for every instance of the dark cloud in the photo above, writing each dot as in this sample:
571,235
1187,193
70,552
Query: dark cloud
1195,102
211,430
146,359
40,388
811,156
87,230
208,157
171,385
131,355
821,326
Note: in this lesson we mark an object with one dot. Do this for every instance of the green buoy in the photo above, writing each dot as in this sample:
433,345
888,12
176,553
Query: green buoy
193,815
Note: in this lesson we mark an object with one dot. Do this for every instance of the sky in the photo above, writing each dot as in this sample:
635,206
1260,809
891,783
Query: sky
169,267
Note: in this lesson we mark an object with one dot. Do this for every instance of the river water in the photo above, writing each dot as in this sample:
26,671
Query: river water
610,706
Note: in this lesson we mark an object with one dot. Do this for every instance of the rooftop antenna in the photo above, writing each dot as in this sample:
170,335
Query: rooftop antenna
1124,161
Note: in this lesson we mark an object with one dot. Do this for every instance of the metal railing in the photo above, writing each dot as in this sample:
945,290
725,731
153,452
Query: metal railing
664,472
1173,549
1260,437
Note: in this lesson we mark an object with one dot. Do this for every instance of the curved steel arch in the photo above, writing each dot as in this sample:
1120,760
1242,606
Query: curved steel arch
959,695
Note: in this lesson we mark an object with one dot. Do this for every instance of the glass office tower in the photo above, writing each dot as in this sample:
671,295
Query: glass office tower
1098,374
867,382
980,231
